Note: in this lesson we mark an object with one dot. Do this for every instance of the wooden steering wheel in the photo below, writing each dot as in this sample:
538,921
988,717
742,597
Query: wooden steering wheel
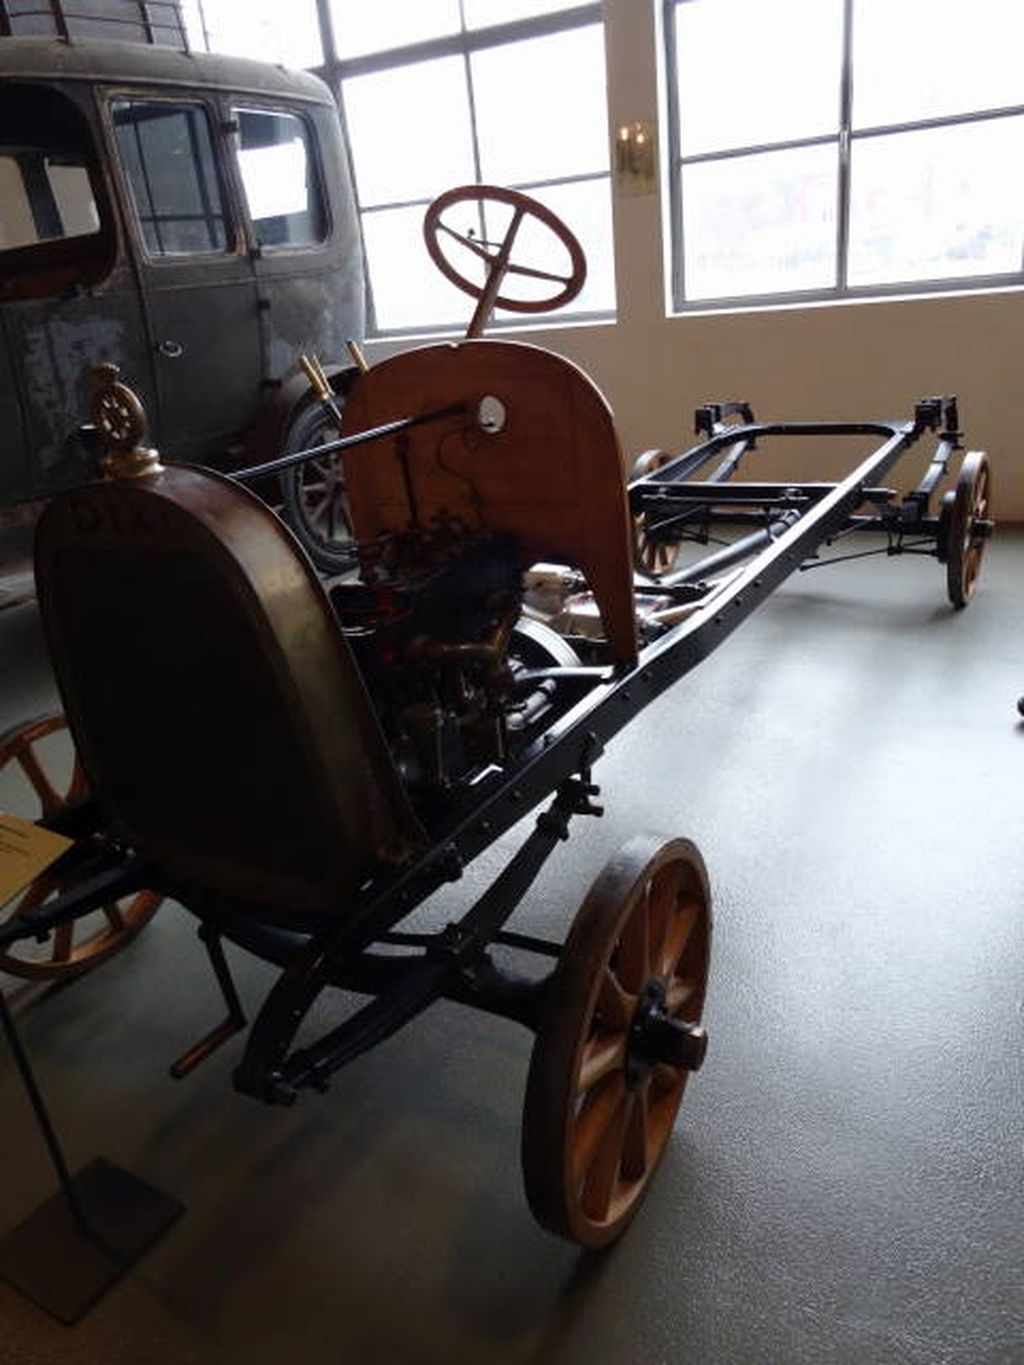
498,256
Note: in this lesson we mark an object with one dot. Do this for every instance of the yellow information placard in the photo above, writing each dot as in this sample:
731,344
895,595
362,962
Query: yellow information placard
25,851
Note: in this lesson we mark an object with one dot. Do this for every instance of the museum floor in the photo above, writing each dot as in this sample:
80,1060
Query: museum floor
845,1184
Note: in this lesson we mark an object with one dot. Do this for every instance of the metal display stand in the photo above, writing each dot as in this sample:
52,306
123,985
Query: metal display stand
81,1240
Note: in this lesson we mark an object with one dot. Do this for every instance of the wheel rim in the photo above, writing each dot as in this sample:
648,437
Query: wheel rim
601,1100
39,760
970,510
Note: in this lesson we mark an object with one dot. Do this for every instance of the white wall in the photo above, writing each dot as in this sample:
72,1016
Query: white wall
848,361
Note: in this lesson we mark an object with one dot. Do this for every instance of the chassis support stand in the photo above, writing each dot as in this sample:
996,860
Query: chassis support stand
81,1240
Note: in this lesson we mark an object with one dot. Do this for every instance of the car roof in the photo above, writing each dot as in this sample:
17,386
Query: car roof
127,63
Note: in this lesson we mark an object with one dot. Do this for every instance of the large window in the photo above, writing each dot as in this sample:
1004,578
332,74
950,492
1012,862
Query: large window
285,31
830,148
506,92
440,93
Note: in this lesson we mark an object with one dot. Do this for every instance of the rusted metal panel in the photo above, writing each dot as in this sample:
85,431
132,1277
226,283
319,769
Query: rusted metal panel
40,58
138,21
182,622
51,354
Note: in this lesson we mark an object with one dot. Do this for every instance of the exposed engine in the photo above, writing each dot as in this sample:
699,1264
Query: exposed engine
434,622
461,651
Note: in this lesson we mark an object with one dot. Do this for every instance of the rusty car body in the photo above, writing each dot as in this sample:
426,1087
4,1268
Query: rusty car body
191,214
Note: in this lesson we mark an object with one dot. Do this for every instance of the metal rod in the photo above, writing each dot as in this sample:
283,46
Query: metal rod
357,438
702,493
43,1119
235,1019
92,893
732,554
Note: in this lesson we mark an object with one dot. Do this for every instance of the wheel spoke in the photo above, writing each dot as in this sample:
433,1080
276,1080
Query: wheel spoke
632,957
636,1143
661,895
601,1056
596,1117
680,990
602,1179
682,925
614,1004
533,274
62,939
34,894
665,1080
114,916
50,799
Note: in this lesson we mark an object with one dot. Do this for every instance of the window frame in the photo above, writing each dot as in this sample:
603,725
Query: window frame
465,43
242,103
843,140
47,268
230,212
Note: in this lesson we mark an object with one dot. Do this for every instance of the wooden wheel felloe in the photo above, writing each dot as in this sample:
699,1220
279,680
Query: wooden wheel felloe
968,526
651,557
621,1035
40,773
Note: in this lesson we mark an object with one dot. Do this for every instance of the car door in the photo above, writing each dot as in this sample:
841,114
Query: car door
195,269
68,295
304,231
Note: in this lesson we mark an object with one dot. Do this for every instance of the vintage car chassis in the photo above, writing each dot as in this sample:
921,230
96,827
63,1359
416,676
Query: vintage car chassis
794,521
782,527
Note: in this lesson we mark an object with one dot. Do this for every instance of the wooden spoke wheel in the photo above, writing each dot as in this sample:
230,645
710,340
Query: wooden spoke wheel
652,557
40,773
621,1035
314,493
967,526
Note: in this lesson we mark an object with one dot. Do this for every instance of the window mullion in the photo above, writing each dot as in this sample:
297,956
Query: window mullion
675,188
473,125
845,149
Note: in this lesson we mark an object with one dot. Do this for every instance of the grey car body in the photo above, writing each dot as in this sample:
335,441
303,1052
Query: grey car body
188,216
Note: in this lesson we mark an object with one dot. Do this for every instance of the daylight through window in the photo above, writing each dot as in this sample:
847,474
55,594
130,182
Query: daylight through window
842,147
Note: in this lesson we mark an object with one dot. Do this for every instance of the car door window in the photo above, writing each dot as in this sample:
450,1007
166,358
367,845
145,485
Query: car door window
44,195
279,177
167,155
51,214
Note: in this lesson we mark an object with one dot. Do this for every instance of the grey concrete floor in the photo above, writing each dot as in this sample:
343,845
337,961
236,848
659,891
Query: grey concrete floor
844,1184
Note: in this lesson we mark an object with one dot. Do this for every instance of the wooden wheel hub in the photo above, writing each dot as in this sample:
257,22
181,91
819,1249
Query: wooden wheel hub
656,1036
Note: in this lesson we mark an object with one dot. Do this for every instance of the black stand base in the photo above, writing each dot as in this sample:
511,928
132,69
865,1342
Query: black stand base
63,1265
